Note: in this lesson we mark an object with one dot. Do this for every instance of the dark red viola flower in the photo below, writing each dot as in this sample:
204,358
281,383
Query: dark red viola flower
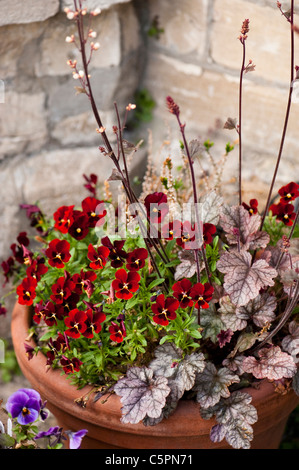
283,212
172,230
67,305
51,314
117,332
117,255
83,281
18,248
7,267
164,309
37,269
289,192
70,365
252,207
125,283
190,236
91,183
61,290
26,291
80,226
181,291
35,216
76,323
93,323
38,312
56,347
64,218
94,209
136,259
3,310
29,351
208,231
224,337
98,256
156,206
58,253
201,294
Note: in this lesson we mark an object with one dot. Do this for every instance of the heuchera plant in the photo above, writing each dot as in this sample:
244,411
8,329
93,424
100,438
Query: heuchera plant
157,304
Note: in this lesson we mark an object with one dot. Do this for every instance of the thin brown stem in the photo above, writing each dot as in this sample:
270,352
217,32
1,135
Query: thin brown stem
291,21
240,121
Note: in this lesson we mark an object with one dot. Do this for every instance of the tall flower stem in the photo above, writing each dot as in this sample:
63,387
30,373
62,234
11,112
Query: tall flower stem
291,21
240,122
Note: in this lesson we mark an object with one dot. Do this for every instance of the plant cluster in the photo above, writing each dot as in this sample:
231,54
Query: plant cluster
171,295
24,410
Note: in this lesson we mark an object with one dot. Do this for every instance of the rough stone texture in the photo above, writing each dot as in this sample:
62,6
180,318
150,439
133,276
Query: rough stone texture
92,4
268,39
20,11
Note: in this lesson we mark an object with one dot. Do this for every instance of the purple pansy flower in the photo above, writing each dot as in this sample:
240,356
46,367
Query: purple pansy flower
55,432
76,438
25,405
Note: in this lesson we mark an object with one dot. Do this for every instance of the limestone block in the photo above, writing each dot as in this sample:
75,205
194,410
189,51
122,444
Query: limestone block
13,40
207,99
81,129
184,25
23,121
268,43
92,4
55,51
29,11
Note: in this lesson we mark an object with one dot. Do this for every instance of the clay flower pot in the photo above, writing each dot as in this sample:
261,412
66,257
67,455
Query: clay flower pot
185,429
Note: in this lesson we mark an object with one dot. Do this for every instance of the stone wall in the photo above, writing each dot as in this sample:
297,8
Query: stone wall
48,137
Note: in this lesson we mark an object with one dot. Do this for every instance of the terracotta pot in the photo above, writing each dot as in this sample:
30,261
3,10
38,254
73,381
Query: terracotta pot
183,430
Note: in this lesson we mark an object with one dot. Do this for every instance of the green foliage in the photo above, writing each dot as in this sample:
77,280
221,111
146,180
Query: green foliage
10,367
145,105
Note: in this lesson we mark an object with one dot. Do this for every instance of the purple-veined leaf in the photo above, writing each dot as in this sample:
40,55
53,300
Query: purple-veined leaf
187,268
230,123
261,309
272,364
180,370
141,394
236,416
211,323
229,316
295,383
243,281
290,343
234,363
242,228
196,149
212,384
210,206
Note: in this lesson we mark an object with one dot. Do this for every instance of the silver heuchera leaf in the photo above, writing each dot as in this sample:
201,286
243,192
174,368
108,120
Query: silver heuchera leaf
295,383
242,228
180,371
235,417
261,309
243,281
290,343
187,268
211,323
210,206
229,315
212,384
141,394
273,364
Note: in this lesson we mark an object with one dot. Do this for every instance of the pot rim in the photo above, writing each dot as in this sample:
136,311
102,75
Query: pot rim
108,414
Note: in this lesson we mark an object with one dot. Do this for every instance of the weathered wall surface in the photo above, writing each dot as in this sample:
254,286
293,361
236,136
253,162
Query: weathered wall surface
47,132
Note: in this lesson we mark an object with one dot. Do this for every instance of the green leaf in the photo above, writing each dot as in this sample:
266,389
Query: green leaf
155,283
